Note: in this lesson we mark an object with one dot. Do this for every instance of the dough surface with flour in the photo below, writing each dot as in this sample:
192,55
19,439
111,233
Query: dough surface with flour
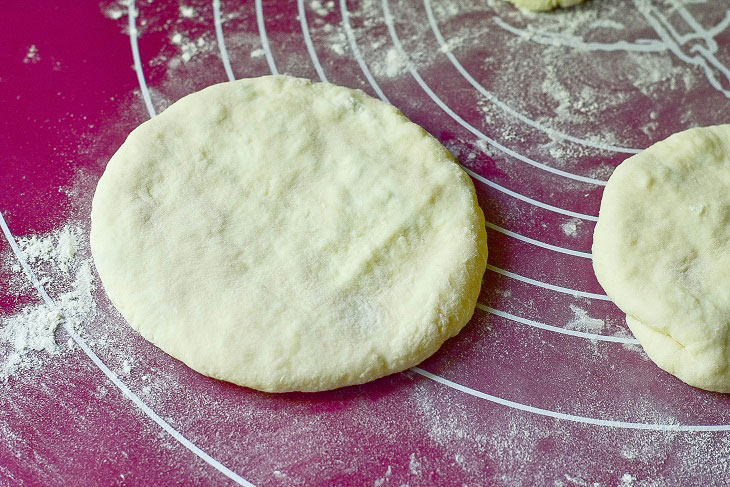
288,235
543,5
661,250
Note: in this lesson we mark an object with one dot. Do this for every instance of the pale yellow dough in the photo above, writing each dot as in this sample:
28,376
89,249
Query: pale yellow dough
661,250
287,235
542,5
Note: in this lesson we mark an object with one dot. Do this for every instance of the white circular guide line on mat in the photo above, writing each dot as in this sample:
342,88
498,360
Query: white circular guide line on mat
308,40
571,417
356,51
557,329
108,372
221,43
131,15
388,17
551,132
545,285
537,243
265,38
533,202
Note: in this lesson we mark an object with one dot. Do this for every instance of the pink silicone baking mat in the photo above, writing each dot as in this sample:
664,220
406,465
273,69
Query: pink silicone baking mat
545,386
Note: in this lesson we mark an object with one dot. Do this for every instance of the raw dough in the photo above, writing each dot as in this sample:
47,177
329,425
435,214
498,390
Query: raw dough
661,250
542,5
286,235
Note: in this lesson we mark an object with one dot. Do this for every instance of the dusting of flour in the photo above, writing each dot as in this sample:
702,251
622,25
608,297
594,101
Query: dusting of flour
583,322
32,335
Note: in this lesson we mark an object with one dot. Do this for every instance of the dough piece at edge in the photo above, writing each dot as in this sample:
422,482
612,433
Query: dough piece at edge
661,253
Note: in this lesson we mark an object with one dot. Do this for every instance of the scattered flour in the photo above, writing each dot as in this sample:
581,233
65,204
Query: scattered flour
322,9
114,13
382,480
32,328
583,322
29,335
505,293
580,482
414,465
31,56
190,47
126,368
627,480
337,42
395,63
570,228
187,12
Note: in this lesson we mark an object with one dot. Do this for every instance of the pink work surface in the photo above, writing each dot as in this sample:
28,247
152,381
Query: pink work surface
545,385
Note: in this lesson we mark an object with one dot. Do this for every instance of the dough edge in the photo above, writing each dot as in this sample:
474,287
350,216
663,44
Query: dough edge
682,361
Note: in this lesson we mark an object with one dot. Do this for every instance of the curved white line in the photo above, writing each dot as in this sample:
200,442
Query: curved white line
265,38
707,35
526,199
221,42
544,285
557,329
698,31
132,15
491,97
659,22
571,417
108,372
537,243
552,39
427,89
356,51
308,41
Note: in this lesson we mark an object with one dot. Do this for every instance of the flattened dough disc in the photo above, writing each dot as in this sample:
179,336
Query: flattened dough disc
661,250
286,235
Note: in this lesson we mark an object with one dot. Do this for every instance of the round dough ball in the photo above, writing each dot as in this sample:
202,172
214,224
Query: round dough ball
287,235
543,5
661,250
